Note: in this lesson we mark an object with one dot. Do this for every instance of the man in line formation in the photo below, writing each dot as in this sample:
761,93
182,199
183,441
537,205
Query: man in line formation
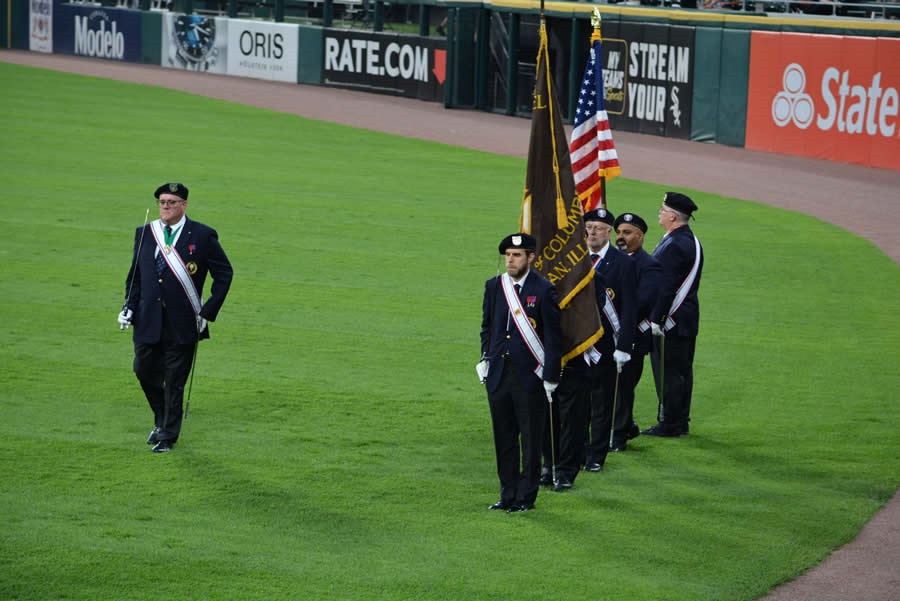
648,305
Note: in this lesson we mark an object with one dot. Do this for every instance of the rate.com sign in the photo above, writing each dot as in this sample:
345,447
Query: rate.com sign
822,96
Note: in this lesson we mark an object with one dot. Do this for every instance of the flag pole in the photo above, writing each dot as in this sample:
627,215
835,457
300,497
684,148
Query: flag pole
596,20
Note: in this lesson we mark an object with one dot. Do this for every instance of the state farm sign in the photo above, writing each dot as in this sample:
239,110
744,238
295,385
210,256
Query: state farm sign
832,97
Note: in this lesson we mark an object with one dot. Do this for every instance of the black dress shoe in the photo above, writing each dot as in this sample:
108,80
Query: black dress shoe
562,485
618,447
546,478
163,446
662,430
593,466
634,432
154,436
499,505
519,507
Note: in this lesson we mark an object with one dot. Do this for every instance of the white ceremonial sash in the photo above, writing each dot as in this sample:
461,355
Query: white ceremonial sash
176,264
609,309
517,312
685,287
592,356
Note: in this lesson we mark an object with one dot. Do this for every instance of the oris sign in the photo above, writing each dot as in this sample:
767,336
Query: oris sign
107,33
263,50
830,97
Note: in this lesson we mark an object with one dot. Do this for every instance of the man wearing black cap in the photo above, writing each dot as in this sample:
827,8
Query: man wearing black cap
630,229
164,288
675,319
521,357
617,282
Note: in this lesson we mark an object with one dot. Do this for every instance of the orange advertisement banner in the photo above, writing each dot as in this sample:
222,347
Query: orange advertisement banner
825,96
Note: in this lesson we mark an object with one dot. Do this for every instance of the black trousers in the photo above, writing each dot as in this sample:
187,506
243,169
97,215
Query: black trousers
162,369
628,381
570,411
678,371
518,418
603,386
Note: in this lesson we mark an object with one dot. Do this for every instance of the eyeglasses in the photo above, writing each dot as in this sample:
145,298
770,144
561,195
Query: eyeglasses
167,203
597,228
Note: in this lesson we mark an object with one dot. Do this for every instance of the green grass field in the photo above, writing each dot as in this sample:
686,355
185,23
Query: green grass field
338,444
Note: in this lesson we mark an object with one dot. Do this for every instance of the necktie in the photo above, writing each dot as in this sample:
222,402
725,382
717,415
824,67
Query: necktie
160,259
518,291
594,257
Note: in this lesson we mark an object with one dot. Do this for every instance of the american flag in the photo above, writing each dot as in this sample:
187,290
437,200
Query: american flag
592,150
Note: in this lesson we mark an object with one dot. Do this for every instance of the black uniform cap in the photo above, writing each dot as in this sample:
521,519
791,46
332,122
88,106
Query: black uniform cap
679,202
631,219
600,215
518,240
178,189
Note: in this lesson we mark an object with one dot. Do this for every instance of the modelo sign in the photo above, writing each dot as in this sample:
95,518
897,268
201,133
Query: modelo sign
108,33
829,97
405,65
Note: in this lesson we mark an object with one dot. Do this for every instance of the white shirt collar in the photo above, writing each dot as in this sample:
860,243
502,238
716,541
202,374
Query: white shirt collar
602,251
521,282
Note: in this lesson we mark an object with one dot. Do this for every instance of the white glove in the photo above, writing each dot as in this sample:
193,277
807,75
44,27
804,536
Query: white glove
124,318
656,330
550,387
482,368
621,358
201,324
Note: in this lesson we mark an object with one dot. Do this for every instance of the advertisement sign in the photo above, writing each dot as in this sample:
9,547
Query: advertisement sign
405,65
40,25
648,71
263,50
824,96
110,33
195,42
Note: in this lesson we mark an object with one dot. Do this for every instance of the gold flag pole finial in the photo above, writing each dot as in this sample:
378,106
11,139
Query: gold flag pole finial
595,23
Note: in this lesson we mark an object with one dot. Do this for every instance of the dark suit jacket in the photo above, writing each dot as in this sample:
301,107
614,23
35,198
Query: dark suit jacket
543,310
676,254
649,276
618,274
197,243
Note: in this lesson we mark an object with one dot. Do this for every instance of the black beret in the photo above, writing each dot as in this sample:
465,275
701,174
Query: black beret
631,219
178,189
600,215
518,240
679,202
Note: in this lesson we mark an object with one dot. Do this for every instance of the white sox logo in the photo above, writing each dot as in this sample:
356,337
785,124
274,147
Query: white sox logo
793,103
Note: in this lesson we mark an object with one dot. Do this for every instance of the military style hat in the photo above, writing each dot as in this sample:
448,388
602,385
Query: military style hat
518,240
178,189
600,215
631,219
679,202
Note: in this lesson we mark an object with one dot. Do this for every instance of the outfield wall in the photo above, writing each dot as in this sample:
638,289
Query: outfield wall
804,87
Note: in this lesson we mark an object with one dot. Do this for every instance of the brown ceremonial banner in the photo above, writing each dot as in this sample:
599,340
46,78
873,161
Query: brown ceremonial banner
551,212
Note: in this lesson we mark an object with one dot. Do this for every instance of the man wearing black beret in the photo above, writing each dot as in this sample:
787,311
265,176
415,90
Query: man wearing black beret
630,229
675,319
520,365
164,289
616,288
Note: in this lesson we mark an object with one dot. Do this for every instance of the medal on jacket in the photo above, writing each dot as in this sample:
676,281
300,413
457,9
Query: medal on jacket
167,248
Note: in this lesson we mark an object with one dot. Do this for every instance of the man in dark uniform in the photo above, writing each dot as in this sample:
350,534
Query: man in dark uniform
617,282
675,319
521,357
172,256
630,230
